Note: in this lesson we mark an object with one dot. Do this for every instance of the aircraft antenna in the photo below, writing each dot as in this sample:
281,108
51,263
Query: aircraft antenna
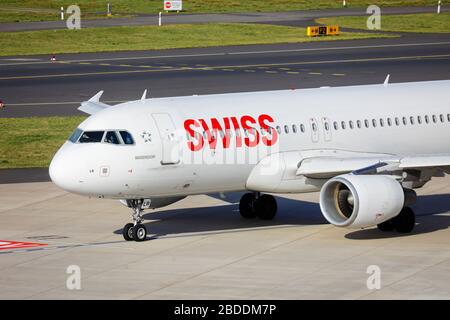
386,82
144,95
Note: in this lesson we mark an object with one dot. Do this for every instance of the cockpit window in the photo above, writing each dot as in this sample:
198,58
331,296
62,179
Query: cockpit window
91,136
126,137
75,135
111,137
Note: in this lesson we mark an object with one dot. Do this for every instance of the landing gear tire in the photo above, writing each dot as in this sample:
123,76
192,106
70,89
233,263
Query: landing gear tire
127,232
266,207
246,206
386,226
405,221
139,232
135,231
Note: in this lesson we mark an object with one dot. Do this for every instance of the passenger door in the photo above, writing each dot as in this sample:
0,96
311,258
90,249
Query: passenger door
314,130
169,139
326,129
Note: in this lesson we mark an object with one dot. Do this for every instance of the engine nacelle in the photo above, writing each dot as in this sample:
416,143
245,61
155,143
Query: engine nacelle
359,201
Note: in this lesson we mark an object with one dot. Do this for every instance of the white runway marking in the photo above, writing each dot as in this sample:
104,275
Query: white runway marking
242,53
260,66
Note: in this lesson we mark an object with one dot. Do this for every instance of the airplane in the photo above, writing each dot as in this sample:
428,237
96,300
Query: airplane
364,148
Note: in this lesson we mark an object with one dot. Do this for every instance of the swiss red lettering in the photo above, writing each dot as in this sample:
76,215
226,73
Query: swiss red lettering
222,131
252,136
264,121
188,126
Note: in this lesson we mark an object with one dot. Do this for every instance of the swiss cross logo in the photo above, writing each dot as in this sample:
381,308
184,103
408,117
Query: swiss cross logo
8,245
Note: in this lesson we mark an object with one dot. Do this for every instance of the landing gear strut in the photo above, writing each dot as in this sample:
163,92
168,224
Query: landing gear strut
135,231
404,222
255,205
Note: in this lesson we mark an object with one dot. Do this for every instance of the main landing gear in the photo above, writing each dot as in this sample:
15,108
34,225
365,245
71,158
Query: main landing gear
256,205
404,222
135,231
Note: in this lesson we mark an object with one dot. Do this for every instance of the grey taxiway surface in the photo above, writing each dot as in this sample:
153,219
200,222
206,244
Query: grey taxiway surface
200,248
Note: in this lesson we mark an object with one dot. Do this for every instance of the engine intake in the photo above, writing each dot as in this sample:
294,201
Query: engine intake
359,201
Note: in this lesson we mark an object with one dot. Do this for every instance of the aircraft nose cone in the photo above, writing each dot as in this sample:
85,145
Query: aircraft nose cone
56,171
60,171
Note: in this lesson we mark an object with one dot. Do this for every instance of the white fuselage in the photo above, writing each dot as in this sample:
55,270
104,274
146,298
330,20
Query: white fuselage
168,159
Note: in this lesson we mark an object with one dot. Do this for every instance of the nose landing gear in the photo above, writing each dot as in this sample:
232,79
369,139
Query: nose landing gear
255,205
135,231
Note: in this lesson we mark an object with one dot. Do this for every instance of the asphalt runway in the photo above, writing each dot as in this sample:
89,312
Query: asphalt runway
35,86
200,248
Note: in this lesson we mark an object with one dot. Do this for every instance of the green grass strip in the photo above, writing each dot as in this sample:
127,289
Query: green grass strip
422,23
154,37
32,142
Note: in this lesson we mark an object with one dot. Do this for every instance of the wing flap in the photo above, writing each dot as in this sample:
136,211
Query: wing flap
425,161
327,167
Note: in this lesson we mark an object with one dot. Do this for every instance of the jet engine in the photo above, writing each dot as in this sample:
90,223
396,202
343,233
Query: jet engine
359,201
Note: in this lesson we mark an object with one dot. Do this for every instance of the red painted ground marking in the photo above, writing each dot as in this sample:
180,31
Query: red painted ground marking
8,245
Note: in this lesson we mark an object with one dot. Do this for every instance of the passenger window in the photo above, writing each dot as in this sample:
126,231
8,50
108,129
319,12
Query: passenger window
286,129
397,121
111,137
427,119
366,123
389,122
335,125
91,136
126,137
279,129
75,135
411,119
343,125
350,124
442,118
419,119
404,121
382,122
314,127
302,128
434,118
374,123
358,124
327,127
294,128
448,117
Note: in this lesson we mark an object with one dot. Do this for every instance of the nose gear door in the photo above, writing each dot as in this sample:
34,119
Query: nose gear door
169,138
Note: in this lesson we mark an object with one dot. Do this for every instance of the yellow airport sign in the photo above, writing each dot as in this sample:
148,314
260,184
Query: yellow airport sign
314,31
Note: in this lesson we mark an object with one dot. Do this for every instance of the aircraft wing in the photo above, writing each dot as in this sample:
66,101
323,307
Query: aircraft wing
327,167
93,105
